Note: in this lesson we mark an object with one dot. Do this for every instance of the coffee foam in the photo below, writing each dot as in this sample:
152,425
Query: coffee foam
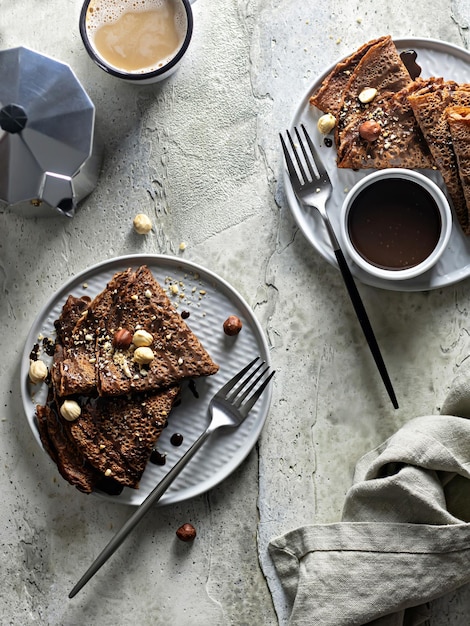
102,12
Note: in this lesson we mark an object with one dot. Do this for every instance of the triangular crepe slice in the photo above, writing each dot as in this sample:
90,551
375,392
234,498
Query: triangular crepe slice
140,303
458,118
117,435
429,109
400,142
71,463
382,69
73,369
328,97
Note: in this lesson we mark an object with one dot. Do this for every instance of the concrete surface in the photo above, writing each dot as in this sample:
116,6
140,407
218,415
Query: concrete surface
200,155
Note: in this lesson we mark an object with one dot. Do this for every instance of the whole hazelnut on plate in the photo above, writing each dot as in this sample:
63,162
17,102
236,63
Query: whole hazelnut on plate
367,95
186,533
37,371
142,338
70,410
370,130
143,355
122,339
232,325
326,123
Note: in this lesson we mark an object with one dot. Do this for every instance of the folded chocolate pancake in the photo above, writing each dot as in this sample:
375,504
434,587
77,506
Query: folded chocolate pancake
71,463
458,119
74,369
141,304
117,435
397,141
88,357
381,69
429,109
329,95
111,440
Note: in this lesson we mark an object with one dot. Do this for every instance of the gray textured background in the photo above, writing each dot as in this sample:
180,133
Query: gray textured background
200,155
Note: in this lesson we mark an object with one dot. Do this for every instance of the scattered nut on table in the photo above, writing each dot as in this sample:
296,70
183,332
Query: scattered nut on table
232,325
326,123
186,532
370,130
70,410
142,224
37,371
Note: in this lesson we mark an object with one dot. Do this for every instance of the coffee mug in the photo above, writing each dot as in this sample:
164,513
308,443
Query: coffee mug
141,42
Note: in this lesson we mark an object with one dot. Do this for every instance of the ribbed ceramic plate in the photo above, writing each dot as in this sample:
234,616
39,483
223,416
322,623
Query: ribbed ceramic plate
209,300
436,58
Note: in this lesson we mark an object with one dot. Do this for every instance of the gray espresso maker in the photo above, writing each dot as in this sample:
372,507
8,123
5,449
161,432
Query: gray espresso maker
49,155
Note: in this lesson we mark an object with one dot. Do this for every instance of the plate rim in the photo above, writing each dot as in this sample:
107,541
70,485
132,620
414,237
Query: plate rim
422,283
262,348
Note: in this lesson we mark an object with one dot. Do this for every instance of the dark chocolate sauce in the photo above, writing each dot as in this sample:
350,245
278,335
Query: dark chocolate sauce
185,314
193,389
176,439
394,224
48,346
158,458
328,142
34,354
408,58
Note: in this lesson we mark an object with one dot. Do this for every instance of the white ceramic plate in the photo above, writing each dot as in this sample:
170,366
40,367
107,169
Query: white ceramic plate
436,58
209,300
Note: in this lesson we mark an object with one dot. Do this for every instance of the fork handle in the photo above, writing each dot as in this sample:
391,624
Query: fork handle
364,322
139,513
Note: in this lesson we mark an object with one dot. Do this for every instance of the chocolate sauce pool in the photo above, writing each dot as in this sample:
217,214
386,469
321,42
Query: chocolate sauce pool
394,224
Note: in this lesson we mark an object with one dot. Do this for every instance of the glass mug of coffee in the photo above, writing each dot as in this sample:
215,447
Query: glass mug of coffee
138,41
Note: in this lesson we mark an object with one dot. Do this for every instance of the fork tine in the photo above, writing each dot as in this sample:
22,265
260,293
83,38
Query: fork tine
307,158
243,386
233,381
246,408
318,163
290,164
297,157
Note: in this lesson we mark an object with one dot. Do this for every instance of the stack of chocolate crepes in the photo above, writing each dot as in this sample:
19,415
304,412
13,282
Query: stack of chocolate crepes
423,123
120,403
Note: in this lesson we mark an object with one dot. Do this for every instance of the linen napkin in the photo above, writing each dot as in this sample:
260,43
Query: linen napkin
404,537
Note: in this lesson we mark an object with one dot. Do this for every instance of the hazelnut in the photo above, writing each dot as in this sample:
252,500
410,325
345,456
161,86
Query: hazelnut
142,338
367,95
70,410
142,224
186,532
326,123
370,130
37,371
232,325
143,355
122,339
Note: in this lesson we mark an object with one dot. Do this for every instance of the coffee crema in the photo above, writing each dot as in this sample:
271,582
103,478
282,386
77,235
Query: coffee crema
136,37
394,224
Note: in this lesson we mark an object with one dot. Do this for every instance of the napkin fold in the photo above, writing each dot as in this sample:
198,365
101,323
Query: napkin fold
404,538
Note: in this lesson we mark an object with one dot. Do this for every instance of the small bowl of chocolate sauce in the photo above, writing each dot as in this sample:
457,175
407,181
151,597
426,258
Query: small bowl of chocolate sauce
396,223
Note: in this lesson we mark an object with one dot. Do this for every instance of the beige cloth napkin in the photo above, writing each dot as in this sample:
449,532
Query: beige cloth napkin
404,538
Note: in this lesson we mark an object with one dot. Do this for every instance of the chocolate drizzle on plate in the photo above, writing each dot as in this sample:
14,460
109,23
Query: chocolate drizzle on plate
176,439
408,58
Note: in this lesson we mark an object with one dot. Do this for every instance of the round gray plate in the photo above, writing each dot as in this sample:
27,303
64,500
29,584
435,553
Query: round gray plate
210,300
436,58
